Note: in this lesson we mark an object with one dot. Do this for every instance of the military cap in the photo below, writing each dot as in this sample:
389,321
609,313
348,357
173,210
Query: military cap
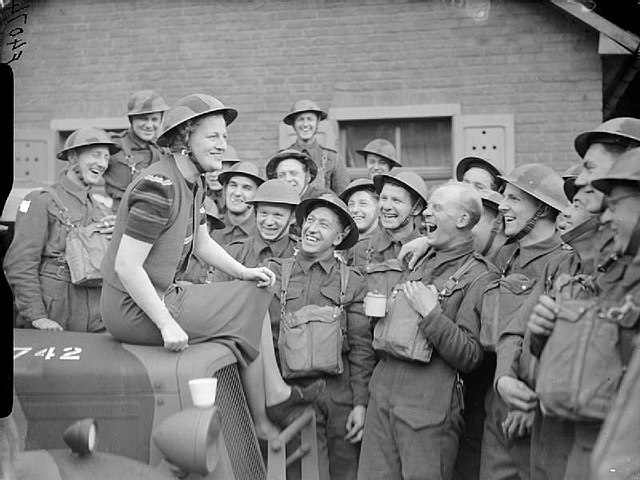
145,101
383,148
621,131
85,137
405,178
288,154
276,190
355,186
541,182
244,169
302,106
626,171
469,162
332,202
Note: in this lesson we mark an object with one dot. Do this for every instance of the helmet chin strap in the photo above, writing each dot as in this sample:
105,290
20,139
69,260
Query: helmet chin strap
75,168
529,225
187,153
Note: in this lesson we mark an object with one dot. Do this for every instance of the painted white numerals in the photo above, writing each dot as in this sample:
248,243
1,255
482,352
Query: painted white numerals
68,353
71,353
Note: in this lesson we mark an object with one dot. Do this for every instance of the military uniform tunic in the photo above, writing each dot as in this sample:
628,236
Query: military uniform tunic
377,248
254,251
501,458
414,417
332,172
317,282
125,165
232,232
35,264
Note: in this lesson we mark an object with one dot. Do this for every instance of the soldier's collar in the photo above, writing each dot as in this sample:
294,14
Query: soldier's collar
313,144
277,247
532,252
81,192
450,254
384,240
246,226
306,262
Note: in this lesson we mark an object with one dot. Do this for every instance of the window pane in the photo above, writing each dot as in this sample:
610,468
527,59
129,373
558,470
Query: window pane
424,142
360,133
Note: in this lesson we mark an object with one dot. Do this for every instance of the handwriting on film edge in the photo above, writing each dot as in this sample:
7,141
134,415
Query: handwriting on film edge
16,32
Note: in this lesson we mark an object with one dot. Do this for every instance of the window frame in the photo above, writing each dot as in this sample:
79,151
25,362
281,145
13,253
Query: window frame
402,112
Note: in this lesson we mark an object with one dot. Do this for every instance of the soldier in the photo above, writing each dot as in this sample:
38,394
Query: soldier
273,204
379,156
480,173
403,196
240,183
138,147
414,417
314,278
533,198
159,226
35,264
552,438
214,187
304,118
298,169
362,199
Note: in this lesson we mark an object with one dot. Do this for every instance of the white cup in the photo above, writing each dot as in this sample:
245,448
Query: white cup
375,304
203,391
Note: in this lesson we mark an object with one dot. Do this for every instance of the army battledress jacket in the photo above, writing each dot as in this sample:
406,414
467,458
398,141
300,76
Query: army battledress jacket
231,233
332,172
35,264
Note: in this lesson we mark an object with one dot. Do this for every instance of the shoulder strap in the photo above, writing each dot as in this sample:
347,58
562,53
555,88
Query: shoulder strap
287,268
63,208
344,281
455,278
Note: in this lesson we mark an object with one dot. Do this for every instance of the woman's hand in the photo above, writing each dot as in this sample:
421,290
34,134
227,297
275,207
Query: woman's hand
262,275
175,338
46,324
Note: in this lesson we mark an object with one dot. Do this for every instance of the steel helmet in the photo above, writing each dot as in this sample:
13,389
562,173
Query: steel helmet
85,137
407,179
230,156
213,214
334,203
244,169
541,182
303,106
383,148
355,186
621,131
145,101
491,199
469,162
626,170
288,154
569,177
191,107
276,190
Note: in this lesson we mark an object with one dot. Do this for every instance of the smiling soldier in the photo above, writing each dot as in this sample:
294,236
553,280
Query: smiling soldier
240,184
428,336
35,264
304,118
273,204
138,143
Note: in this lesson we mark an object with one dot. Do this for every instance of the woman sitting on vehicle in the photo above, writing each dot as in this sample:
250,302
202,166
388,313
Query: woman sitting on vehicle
160,224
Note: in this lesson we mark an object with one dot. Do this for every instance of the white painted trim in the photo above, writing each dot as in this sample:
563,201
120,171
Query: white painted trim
395,112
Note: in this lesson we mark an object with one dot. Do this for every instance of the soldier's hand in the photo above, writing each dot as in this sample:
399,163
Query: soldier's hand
518,424
413,251
46,324
543,316
174,337
516,393
355,424
422,298
262,275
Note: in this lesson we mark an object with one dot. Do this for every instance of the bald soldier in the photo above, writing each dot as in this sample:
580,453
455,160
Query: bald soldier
138,144
414,416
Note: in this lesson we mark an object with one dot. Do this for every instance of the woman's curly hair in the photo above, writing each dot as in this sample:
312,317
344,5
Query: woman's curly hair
179,138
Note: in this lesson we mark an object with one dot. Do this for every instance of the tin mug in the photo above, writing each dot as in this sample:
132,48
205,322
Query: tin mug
375,304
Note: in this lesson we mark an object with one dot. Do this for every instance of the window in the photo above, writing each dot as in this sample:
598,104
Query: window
422,135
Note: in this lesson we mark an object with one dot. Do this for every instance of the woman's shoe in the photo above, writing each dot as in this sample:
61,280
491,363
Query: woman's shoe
285,412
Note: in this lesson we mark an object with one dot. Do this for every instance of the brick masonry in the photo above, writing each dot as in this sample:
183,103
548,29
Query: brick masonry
83,58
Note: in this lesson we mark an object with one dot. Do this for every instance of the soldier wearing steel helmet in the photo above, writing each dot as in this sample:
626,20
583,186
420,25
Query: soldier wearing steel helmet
480,173
214,187
160,225
304,117
361,197
403,196
138,148
315,277
414,417
35,264
240,184
273,213
562,446
593,241
533,197
379,156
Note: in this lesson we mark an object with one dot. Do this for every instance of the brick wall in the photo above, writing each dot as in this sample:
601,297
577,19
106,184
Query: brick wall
83,58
